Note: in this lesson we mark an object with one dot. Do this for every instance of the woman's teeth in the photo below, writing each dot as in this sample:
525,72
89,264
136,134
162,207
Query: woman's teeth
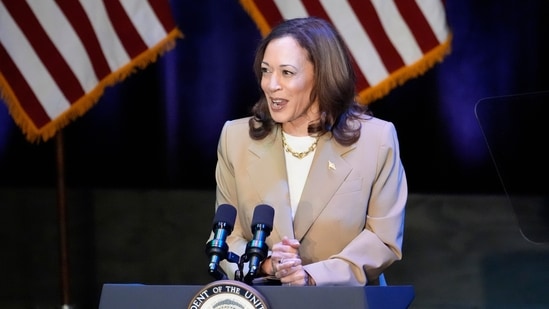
277,104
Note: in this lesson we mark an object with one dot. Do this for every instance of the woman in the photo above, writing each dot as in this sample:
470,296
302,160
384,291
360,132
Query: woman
330,170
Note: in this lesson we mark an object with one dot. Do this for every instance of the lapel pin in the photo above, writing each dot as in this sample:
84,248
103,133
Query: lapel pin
331,165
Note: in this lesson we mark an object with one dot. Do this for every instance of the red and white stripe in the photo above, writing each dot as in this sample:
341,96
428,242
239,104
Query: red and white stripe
55,55
383,36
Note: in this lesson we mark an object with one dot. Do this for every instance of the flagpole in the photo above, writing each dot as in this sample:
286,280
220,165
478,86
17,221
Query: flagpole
62,212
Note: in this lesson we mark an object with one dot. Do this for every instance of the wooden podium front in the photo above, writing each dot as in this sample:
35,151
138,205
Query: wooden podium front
140,296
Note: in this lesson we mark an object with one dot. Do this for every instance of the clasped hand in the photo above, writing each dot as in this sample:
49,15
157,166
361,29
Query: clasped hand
286,264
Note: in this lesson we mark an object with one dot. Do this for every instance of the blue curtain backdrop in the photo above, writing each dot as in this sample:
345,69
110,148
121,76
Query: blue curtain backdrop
159,128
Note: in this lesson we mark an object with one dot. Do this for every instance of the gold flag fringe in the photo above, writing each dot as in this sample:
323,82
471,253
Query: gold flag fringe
260,21
406,73
82,105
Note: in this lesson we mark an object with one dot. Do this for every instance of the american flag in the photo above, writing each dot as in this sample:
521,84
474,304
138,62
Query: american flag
57,57
390,41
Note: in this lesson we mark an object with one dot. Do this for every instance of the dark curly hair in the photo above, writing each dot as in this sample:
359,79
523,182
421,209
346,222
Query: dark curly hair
334,81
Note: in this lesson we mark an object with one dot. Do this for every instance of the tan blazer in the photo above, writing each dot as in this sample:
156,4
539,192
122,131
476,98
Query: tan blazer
350,217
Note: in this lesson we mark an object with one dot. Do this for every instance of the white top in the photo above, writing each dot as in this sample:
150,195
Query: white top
298,169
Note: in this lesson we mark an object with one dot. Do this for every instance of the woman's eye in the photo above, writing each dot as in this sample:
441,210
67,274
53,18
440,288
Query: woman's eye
264,70
286,72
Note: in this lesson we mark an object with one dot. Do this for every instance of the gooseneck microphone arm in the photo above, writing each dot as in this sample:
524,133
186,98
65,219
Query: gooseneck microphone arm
257,249
217,249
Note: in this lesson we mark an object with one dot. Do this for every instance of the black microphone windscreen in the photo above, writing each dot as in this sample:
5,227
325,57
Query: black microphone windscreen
225,213
263,214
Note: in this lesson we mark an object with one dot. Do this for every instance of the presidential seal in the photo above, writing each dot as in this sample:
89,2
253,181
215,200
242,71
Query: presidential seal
228,294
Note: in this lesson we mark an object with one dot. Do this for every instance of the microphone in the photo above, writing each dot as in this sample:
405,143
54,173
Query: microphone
256,249
217,249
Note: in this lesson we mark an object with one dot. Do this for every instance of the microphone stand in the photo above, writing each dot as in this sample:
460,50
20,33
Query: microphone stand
239,274
248,279
218,273
232,257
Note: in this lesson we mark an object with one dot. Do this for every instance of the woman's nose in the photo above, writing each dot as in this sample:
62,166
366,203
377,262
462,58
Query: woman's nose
274,84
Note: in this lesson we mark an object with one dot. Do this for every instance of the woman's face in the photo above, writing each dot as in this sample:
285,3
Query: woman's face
287,80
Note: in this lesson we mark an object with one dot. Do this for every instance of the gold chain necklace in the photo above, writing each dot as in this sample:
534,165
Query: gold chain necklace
299,155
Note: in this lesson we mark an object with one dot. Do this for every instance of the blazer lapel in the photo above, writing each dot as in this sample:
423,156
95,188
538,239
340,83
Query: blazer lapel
327,172
267,172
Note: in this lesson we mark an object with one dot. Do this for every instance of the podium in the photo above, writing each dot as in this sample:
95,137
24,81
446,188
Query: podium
141,296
